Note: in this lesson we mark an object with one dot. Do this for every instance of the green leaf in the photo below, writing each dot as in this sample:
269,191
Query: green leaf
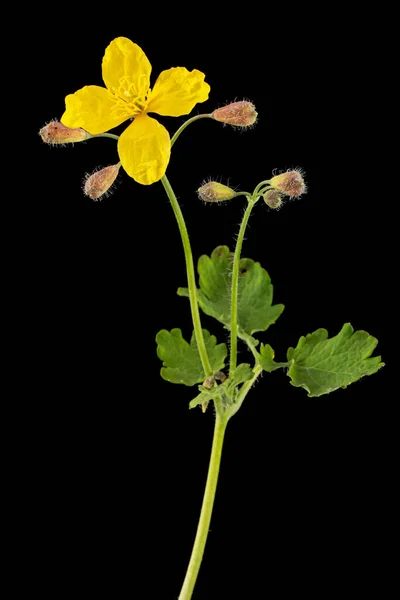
266,359
181,361
242,373
227,391
321,365
255,309
204,397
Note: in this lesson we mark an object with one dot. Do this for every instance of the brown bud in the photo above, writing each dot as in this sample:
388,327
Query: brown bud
272,198
57,133
220,375
100,182
209,382
290,183
215,192
240,114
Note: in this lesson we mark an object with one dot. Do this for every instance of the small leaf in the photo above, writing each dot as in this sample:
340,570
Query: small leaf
255,309
321,365
242,373
181,361
266,359
204,397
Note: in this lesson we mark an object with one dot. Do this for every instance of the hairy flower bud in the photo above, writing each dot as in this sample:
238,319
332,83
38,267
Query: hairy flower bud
100,182
290,183
240,114
215,192
57,133
272,198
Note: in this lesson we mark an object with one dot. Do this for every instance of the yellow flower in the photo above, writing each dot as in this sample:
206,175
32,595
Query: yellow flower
144,147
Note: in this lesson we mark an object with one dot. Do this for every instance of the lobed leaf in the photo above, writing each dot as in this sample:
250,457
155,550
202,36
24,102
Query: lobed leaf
255,309
321,365
181,361
266,359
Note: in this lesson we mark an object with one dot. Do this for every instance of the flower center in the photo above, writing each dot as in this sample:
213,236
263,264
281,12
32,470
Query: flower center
128,99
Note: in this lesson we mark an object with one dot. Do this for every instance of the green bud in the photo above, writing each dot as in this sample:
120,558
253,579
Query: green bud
272,198
215,192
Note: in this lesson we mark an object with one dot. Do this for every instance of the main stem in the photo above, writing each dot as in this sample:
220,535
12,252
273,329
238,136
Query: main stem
206,510
190,277
235,284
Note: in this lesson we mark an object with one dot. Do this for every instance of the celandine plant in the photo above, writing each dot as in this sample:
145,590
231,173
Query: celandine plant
236,291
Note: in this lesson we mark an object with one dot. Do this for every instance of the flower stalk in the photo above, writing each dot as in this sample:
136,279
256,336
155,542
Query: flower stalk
235,282
194,307
185,124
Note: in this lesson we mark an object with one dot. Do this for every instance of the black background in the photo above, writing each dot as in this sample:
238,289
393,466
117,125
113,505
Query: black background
117,463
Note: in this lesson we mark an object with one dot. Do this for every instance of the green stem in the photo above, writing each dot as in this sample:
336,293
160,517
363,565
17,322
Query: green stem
187,250
206,510
109,135
190,277
244,390
265,183
235,284
248,340
185,124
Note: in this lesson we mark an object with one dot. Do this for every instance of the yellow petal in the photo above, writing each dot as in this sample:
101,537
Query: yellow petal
94,109
126,68
144,149
176,92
